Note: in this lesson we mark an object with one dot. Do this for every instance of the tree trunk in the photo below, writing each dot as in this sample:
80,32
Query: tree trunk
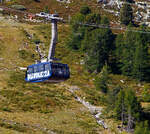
130,120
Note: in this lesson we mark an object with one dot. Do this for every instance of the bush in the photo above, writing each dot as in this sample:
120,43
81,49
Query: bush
146,95
93,18
36,41
23,54
85,10
46,10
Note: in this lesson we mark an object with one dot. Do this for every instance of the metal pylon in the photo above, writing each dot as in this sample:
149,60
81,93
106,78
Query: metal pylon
54,36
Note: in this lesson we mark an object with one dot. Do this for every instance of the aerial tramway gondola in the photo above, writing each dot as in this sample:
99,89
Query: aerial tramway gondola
49,70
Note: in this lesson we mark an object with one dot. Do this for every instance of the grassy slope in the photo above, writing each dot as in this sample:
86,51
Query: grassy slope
42,105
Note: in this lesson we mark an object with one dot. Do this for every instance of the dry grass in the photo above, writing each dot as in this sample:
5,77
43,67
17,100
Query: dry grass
145,105
35,104
45,105
8,131
63,9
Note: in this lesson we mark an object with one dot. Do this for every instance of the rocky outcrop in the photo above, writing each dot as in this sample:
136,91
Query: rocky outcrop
94,110
141,9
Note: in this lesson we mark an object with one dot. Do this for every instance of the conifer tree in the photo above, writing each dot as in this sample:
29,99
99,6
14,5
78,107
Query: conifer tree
93,18
76,22
132,54
85,42
101,81
127,53
96,43
126,14
141,58
112,96
105,20
85,10
120,108
79,37
140,63
78,30
142,128
133,108
127,108
74,42
100,44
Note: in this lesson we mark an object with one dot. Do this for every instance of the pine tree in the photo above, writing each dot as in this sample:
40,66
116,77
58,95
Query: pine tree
93,18
100,44
140,63
77,35
127,108
119,50
142,128
85,42
141,59
74,42
79,39
85,10
120,108
105,20
127,53
126,14
76,22
132,54
101,81
133,108
112,96
119,45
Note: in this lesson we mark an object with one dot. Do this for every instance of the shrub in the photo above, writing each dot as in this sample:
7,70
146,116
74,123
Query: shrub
85,10
23,54
46,10
146,95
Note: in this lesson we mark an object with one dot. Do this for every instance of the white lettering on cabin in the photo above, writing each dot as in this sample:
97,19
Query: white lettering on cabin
38,75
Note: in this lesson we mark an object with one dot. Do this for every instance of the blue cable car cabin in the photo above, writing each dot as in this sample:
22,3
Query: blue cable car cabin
47,72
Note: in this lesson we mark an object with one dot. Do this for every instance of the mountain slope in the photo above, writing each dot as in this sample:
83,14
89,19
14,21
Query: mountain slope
38,107
64,9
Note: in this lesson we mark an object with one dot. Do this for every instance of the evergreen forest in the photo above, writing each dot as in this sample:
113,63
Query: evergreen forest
126,53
